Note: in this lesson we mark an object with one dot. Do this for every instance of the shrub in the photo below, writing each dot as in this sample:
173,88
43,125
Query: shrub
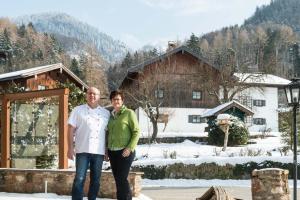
238,133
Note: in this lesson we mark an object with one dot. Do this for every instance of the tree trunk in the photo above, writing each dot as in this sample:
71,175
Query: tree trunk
155,130
226,132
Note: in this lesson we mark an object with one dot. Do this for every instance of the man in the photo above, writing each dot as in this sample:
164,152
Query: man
87,123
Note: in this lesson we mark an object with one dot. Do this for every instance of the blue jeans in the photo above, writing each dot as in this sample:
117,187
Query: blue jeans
83,162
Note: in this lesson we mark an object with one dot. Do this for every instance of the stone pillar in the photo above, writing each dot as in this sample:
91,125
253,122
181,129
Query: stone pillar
270,184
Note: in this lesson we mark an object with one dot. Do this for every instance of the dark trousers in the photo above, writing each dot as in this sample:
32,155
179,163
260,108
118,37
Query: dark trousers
83,162
120,167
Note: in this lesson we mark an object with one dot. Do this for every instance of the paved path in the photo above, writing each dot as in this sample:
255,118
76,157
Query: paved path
192,193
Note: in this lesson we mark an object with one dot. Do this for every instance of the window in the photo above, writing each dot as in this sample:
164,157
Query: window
259,121
248,120
196,119
41,87
159,93
259,102
197,95
245,100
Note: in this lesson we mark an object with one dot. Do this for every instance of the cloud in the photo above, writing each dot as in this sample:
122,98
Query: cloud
135,43
131,40
183,7
193,7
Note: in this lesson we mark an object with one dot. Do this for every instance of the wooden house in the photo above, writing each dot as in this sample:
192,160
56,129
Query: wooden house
177,78
33,123
41,78
180,81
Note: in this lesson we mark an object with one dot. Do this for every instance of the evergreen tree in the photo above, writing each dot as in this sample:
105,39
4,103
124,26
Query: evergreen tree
6,49
21,30
296,59
154,52
269,51
193,43
127,62
30,26
76,69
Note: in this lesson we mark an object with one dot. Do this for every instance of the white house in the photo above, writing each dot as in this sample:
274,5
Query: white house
261,97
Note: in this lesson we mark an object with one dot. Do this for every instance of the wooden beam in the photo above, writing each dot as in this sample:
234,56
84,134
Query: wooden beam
5,135
63,130
35,94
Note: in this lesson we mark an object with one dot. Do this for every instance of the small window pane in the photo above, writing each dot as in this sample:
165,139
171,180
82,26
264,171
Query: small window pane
41,87
159,93
197,95
196,119
259,121
259,102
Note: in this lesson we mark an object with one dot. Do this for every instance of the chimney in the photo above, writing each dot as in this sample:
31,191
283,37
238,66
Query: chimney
171,45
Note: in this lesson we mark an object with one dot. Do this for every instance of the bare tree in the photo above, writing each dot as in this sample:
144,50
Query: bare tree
151,97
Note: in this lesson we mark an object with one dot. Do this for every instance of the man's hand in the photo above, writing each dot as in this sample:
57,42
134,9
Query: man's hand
71,154
126,152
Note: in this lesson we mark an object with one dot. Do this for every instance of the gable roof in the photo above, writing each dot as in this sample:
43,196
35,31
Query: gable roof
183,49
226,106
262,79
38,70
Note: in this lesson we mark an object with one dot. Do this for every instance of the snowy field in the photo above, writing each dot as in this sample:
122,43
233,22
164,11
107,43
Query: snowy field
189,152
50,196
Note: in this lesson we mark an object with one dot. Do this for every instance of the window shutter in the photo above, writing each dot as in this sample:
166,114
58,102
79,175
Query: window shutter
190,118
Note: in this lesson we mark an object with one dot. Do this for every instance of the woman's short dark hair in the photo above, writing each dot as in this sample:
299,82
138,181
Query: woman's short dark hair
115,93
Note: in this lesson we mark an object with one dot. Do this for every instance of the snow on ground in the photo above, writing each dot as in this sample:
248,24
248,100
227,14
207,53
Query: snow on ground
194,134
48,196
176,134
188,183
189,152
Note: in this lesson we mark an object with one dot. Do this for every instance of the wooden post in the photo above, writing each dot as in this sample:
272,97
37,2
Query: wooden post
5,136
63,130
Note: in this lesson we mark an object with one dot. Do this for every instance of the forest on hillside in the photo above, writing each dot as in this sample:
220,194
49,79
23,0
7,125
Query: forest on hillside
66,27
22,47
267,42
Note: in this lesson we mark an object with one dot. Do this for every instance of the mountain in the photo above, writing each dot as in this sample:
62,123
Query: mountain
278,11
64,26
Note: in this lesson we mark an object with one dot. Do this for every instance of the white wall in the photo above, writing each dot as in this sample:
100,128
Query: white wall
178,124
269,112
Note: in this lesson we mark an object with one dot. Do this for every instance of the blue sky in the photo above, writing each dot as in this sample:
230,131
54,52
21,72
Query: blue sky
142,22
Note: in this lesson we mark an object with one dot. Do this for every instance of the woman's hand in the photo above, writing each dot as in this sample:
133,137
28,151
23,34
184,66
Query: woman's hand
126,152
106,158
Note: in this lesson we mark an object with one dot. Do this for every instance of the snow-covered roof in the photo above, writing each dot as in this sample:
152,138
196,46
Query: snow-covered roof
265,79
223,107
38,70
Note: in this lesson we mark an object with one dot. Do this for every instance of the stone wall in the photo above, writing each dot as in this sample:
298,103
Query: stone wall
270,183
59,182
209,170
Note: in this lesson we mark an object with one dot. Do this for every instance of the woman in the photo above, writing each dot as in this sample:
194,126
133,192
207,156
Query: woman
123,136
